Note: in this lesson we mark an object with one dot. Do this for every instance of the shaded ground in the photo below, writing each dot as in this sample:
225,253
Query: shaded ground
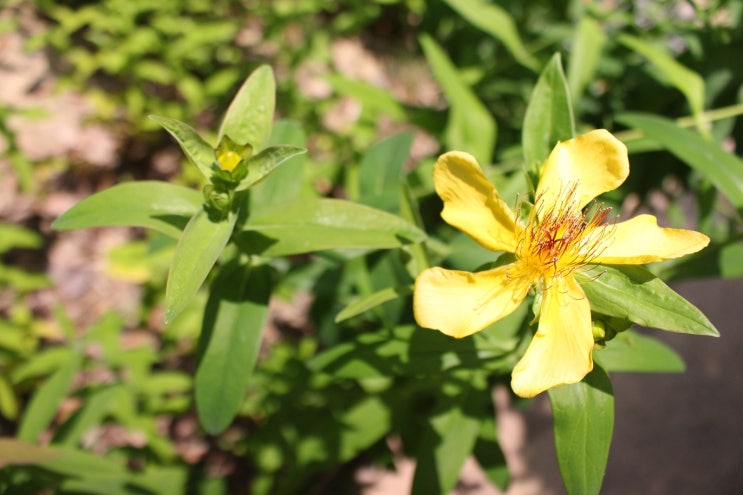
675,434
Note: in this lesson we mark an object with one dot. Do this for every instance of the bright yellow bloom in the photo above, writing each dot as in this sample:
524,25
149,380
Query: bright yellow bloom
561,241
228,160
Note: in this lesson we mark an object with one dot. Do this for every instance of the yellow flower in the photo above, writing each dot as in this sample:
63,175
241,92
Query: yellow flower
228,160
561,241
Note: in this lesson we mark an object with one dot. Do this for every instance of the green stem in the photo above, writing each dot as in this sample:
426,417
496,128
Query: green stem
688,121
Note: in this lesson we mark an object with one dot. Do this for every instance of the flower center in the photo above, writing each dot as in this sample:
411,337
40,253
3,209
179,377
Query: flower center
558,238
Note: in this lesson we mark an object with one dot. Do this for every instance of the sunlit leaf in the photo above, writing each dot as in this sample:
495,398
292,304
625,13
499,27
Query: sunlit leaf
549,115
230,340
317,224
633,352
372,301
15,236
156,205
584,421
285,183
263,163
249,116
635,294
470,127
363,424
451,436
197,251
196,149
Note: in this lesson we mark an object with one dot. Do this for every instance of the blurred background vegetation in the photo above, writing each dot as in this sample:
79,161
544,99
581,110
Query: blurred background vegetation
77,82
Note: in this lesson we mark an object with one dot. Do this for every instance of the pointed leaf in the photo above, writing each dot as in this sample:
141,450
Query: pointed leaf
372,301
584,421
317,224
230,340
196,149
685,80
723,169
633,352
249,116
470,127
46,400
17,453
156,205
382,171
284,184
497,22
262,164
635,294
588,43
549,115
447,444
197,251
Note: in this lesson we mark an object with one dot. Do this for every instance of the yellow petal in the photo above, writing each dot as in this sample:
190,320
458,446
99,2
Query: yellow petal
640,240
592,163
560,351
472,204
461,303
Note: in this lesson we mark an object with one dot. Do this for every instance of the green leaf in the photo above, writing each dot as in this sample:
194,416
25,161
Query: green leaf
372,301
497,22
262,164
316,224
284,184
588,43
448,442
584,420
470,127
412,351
230,340
91,414
8,400
17,453
363,424
382,171
723,169
156,205
489,454
75,463
635,294
197,251
549,115
630,351
15,236
249,116
45,402
372,98
196,149
685,80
